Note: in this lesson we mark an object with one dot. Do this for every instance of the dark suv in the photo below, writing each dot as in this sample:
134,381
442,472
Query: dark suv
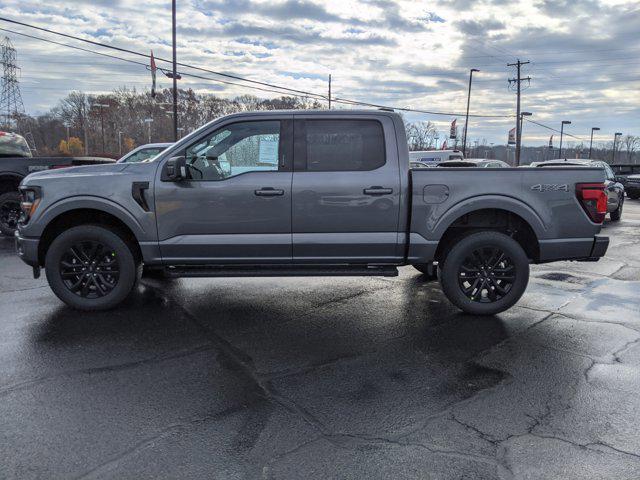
613,188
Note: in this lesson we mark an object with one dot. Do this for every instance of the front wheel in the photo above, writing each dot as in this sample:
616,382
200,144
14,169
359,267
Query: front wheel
9,212
485,273
90,267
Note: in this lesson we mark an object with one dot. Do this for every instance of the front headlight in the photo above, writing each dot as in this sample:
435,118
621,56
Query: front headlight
30,199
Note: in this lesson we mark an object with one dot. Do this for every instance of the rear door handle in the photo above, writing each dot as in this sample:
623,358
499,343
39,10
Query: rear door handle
269,192
376,190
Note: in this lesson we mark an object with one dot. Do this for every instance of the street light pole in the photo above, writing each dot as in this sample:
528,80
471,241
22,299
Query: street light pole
101,106
564,122
466,121
615,138
519,146
148,122
591,141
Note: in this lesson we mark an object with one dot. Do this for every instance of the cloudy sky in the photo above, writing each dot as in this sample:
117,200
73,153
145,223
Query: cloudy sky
584,54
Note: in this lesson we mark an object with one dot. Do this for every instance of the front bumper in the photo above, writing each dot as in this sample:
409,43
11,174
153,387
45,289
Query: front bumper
27,249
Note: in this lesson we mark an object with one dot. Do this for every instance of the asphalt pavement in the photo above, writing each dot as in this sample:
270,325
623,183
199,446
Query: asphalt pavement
320,378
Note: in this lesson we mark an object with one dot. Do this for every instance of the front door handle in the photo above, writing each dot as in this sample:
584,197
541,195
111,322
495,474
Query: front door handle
269,192
376,190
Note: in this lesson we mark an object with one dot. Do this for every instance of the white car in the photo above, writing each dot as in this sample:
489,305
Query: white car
144,152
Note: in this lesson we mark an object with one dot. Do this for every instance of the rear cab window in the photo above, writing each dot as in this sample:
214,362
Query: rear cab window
340,145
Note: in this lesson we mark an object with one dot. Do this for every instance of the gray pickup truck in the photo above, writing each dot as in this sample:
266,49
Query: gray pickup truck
305,193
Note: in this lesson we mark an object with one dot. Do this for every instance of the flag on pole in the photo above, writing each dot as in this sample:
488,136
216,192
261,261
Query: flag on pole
512,136
153,69
551,141
444,145
453,133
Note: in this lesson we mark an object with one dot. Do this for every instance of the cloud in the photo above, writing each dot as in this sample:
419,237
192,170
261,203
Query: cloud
400,52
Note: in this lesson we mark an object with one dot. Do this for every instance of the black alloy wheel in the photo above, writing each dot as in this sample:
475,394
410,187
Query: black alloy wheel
486,275
9,212
90,269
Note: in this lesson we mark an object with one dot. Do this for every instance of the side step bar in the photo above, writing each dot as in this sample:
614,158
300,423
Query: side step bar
280,271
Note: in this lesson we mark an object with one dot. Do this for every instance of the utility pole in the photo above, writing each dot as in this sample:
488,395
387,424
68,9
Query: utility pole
591,141
329,91
518,80
564,122
175,74
466,121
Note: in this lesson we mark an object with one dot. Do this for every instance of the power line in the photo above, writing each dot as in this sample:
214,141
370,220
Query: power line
554,129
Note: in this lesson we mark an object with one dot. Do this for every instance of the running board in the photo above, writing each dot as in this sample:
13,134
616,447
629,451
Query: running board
281,271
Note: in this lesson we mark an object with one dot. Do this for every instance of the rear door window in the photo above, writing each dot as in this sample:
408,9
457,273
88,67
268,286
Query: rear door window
342,145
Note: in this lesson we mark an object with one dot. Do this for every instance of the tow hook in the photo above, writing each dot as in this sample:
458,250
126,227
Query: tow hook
36,271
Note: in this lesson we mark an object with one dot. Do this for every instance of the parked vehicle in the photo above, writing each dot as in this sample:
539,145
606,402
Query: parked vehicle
633,187
16,162
624,170
475,163
421,165
614,189
144,152
334,198
433,157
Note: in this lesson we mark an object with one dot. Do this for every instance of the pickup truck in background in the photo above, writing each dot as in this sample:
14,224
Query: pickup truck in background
305,193
16,162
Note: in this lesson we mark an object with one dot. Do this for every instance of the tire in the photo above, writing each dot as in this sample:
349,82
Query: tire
98,267
424,269
9,212
617,213
497,254
634,196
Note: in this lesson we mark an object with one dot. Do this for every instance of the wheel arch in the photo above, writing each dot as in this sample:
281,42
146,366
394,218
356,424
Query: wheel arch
64,219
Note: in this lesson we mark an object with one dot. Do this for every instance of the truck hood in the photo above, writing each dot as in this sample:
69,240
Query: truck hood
82,171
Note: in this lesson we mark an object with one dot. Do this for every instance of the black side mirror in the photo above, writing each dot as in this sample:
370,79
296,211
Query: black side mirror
174,170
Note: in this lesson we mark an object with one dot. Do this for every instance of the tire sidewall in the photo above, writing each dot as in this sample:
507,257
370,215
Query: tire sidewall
126,265
450,269
8,197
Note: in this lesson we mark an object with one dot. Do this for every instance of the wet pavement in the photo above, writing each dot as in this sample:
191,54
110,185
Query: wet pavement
326,377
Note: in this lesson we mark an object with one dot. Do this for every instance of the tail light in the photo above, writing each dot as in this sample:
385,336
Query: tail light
593,199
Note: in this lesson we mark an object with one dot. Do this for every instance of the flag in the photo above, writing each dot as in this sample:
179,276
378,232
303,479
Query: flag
512,136
551,141
153,69
444,145
453,133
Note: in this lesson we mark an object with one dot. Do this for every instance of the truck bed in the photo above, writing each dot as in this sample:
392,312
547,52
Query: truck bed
543,198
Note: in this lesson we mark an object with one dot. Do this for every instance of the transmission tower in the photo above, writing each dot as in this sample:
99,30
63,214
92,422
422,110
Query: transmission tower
11,105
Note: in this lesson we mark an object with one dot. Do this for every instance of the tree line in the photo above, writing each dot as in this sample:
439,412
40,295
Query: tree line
112,124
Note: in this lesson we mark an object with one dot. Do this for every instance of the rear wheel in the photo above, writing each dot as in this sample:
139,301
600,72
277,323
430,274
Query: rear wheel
90,268
485,273
9,212
617,213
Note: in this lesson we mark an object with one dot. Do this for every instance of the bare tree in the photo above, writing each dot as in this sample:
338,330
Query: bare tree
421,135
631,144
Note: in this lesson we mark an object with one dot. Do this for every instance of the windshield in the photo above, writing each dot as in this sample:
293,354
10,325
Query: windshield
12,145
146,154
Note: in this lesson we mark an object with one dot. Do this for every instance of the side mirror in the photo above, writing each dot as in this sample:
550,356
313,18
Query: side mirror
174,170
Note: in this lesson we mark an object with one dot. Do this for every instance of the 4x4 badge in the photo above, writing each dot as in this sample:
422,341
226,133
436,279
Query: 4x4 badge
550,187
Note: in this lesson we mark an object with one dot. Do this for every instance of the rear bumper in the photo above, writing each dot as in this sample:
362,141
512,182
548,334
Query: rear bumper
583,249
27,249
